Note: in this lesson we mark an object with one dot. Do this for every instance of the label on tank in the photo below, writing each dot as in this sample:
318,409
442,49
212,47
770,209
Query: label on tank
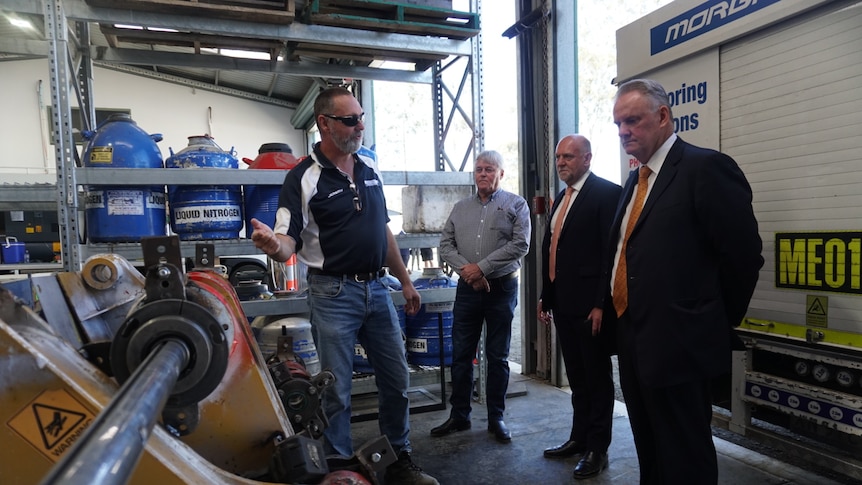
418,345
156,200
94,200
205,213
101,155
439,307
359,351
125,202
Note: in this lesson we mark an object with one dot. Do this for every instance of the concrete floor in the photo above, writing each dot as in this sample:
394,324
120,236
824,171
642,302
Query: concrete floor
539,416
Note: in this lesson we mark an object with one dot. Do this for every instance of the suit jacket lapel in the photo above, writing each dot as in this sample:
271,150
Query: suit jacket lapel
558,201
663,180
628,192
580,196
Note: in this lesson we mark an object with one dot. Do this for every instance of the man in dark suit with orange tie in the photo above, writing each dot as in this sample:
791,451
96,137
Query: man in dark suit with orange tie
687,260
574,255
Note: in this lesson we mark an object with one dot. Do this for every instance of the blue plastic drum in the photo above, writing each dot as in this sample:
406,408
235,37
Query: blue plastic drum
123,213
261,201
424,340
201,212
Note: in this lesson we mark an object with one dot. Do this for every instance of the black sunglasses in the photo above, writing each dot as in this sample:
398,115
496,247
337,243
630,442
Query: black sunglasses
357,202
351,120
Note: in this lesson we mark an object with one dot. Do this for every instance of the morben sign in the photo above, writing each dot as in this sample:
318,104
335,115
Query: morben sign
701,19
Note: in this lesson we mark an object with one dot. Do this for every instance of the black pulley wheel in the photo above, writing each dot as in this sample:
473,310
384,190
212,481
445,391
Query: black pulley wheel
180,320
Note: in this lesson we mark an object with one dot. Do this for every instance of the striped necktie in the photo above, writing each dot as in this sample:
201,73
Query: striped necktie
621,287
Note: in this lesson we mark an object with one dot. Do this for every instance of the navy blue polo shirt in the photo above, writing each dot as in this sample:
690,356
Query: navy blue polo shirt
338,227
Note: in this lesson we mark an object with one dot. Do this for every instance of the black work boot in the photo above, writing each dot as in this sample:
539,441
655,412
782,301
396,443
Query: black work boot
405,472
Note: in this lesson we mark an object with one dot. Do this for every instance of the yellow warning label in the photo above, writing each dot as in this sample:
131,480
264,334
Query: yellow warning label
101,154
817,311
52,422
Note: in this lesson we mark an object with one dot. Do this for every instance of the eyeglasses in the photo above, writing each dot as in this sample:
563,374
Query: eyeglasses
357,202
351,120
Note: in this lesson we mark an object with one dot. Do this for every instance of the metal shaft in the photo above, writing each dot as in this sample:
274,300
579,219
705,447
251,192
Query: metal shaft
110,449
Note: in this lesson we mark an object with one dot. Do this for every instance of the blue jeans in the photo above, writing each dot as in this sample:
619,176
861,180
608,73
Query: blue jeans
342,310
496,310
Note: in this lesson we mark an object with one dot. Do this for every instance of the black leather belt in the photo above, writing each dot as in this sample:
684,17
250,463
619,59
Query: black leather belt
358,277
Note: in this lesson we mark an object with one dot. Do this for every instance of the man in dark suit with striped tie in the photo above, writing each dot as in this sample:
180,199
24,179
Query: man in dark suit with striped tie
574,256
686,263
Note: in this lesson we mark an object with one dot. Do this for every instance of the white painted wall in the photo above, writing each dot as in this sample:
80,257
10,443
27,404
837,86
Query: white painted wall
175,111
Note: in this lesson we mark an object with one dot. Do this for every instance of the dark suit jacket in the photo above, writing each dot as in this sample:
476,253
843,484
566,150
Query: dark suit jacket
582,250
692,259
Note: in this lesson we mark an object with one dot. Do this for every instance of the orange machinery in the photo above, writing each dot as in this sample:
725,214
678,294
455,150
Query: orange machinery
118,377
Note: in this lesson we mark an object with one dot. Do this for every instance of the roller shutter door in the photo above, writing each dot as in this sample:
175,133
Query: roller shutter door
791,115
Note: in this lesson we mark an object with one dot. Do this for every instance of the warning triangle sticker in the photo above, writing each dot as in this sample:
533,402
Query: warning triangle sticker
55,423
816,308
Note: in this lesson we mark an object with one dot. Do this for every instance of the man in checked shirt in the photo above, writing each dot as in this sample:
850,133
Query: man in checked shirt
484,240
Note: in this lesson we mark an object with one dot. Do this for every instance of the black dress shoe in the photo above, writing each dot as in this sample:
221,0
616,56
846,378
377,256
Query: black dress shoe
450,426
499,430
569,448
591,465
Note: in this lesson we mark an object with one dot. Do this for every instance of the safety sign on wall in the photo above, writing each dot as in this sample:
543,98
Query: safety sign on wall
817,310
52,422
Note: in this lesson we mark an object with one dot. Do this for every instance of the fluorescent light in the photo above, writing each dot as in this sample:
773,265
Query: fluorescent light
21,24
396,65
244,54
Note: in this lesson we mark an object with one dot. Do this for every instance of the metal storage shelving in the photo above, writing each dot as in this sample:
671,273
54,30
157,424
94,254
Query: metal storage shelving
70,55
235,247
67,31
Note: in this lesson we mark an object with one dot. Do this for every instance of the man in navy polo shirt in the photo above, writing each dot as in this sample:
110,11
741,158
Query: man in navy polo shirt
332,214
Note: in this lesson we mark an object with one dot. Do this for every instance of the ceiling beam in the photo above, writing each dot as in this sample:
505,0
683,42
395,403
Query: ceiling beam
226,63
140,57
79,10
183,81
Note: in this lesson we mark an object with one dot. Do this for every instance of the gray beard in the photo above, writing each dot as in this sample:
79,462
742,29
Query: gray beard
347,145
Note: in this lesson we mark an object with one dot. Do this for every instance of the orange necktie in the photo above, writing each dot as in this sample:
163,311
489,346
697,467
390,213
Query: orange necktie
621,287
555,236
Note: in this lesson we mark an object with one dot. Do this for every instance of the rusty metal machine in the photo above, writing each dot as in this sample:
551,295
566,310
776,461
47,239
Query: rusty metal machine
112,376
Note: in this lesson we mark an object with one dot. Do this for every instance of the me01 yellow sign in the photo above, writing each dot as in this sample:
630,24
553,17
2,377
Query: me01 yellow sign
823,261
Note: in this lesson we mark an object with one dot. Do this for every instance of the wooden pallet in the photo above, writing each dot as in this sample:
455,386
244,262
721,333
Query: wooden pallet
117,35
360,56
266,11
387,16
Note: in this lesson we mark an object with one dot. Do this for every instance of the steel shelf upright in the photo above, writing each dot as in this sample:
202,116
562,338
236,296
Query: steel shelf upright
62,71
